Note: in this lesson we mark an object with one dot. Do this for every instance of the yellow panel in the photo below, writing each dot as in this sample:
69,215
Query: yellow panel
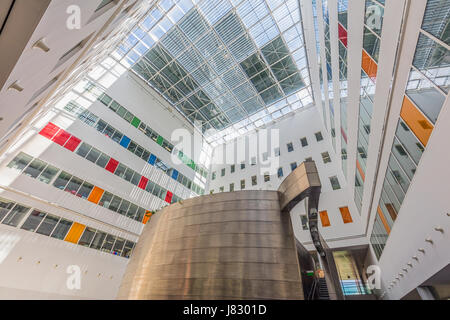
324,218
75,232
96,195
416,121
345,213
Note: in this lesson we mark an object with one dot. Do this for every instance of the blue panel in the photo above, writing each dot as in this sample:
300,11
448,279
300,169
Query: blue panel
174,174
152,159
125,141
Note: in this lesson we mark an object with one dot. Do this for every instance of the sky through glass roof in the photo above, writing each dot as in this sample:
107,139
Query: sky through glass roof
235,65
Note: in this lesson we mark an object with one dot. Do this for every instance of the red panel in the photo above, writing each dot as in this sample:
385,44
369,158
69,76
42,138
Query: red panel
169,197
61,137
72,144
344,135
342,34
112,165
143,182
49,130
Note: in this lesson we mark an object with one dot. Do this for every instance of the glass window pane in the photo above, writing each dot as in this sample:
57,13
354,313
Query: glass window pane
61,229
436,19
102,161
73,185
120,170
47,225
108,243
84,149
115,203
124,207
20,161
132,211
33,220
35,168
98,240
105,201
85,190
128,248
48,174
16,215
87,237
136,178
118,246
5,206
93,155
62,180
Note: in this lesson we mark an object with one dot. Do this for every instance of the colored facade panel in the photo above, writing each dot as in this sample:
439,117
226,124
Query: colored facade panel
383,220
75,232
143,182
96,195
49,130
346,216
344,135
169,196
369,65
160,140
112,165
135,122
324,218
361,172
174,174
125,141
61,137
152,160
416,121
72,143
147,217
342,34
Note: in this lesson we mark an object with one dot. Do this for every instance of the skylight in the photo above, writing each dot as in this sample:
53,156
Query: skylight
234,65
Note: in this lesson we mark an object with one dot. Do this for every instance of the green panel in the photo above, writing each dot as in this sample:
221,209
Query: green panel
160,140
135,122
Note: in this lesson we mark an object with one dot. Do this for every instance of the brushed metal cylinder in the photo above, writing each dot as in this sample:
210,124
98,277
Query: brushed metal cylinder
233,245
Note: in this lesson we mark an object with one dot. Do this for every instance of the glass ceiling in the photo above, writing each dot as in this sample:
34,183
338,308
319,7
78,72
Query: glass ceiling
235,65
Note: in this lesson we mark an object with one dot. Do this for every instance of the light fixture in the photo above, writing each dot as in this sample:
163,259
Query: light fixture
429,240
40,44
421,250
410,264
441,230
16,86
415,258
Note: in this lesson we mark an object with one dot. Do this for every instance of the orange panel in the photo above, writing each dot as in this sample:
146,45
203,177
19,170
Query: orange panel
383,219
96,195
373,70
361,172
324,218
416,121
147,217
75,232
345,213
366,61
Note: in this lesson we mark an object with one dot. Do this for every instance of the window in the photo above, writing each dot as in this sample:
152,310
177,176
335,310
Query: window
308,159
93,155
221,189
48,225
5,206
108,243
62,180
325,157
253,161
280,172
335,183
87,237
83,150
345,213
48,174
266,177
33,221
16,215
61,229
73,185
290,147
277,152
242,166
102,160
243,184
293,166
213,177
222,172
98,240
20,161
304,142
231,187
35,168
265,156
304,220
254,181
233,167
319,136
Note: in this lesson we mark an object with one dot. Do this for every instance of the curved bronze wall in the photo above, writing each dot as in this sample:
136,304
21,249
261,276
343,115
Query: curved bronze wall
233,245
